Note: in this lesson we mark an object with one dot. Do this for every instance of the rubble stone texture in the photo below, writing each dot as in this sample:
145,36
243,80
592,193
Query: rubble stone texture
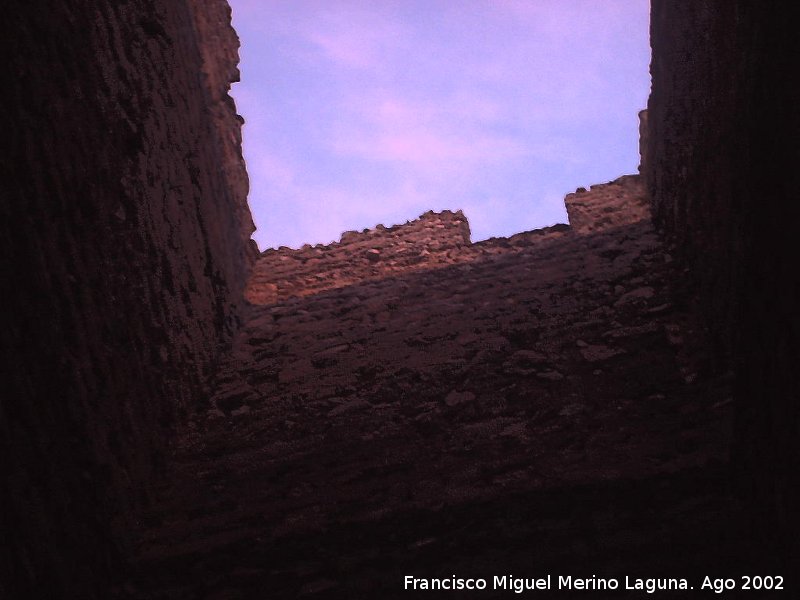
723,176
512,406
404,401
125,244
433,240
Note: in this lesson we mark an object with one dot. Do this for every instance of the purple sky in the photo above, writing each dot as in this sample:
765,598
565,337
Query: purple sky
359,112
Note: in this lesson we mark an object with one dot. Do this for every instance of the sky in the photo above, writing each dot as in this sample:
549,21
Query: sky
367,112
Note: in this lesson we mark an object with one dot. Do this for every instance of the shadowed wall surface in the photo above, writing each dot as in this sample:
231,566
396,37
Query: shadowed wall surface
722,172
126,246
124,237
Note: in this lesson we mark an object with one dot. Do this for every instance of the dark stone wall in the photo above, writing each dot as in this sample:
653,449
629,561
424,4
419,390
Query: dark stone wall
124,237
722,172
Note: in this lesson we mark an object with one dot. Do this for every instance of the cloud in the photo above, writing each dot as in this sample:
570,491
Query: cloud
274,169
320,213
353,35
373,112
425,147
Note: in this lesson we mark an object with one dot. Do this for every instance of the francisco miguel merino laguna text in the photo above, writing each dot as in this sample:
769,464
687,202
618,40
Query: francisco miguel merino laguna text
563,582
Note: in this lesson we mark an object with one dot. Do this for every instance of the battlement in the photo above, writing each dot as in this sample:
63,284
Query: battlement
607,205
433,240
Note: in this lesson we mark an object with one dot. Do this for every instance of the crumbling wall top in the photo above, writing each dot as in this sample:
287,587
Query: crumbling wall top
432,239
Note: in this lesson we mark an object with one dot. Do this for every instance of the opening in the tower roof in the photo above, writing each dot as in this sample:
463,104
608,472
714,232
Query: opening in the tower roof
360,112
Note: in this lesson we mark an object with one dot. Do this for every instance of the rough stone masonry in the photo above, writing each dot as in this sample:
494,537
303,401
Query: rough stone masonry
561,399
125,248
433,240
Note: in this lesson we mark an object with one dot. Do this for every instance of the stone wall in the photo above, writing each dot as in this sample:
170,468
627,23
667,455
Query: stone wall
125,249
607,205
722,173
434,240
643,142
124,237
